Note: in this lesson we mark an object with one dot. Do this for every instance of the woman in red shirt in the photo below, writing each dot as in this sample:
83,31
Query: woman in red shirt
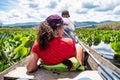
50,47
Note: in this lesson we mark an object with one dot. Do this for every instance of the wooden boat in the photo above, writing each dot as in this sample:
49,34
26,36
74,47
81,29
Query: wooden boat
98,68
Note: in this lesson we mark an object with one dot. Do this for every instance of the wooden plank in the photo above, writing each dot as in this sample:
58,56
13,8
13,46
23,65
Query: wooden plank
18,64
19,72
40,74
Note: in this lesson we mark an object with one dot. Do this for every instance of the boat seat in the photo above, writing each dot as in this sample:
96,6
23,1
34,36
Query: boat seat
20,74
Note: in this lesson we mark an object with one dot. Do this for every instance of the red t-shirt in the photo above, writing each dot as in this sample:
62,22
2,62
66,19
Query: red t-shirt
57,51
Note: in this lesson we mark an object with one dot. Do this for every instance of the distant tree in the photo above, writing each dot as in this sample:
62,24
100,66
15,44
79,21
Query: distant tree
109,26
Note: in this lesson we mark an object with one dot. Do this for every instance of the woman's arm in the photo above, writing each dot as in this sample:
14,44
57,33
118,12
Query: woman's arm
32,63
79,54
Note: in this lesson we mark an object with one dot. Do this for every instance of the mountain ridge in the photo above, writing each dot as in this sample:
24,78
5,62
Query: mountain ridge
91,23
77,24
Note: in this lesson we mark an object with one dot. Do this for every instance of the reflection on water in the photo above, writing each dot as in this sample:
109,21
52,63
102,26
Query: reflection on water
105,51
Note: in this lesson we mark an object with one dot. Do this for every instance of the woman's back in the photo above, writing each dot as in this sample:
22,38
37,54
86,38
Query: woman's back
58,49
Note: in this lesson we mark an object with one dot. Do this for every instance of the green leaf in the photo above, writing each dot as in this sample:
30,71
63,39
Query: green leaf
4,36
1,68
17,37
1,63
21,50
0,46
106,38
6,66
115,46
24,40
4,55
96,40
117,52
17,56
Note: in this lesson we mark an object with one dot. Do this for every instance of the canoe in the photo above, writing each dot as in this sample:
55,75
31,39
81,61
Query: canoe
98,68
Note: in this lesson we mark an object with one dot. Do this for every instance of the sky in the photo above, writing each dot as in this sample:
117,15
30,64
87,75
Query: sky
18,11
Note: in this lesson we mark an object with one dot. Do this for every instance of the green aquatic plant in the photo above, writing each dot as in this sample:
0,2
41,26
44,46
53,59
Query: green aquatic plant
116,47
14,46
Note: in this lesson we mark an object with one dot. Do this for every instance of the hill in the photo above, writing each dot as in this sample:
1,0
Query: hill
91,23
109,26
84,24
77,24
23,25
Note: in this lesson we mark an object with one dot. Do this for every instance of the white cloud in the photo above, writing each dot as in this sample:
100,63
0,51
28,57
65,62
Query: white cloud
3,16
106,5
80,10
117,10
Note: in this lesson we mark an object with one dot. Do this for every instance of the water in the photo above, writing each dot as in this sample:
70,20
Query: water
106,51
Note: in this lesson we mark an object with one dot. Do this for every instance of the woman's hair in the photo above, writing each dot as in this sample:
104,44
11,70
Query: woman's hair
44,34
46,30
55,21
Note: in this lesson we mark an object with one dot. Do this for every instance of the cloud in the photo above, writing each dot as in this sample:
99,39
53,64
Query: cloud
3,16
117,10
106,5
32,5
89,5
52,4
80,10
